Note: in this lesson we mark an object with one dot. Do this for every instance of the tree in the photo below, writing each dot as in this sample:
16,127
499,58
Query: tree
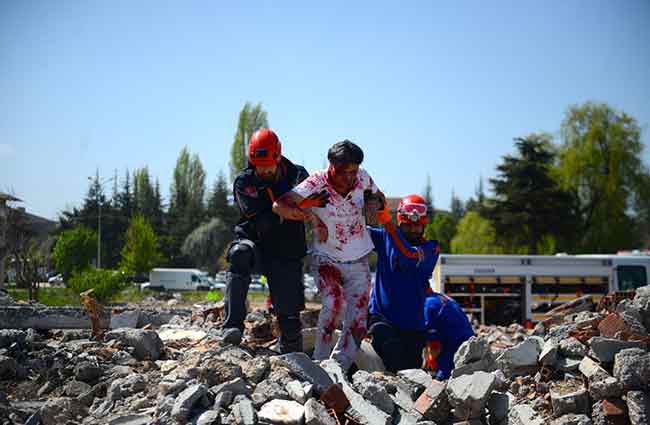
251,119
600,161
27,253
475,235
206,244
141,253
476,203
456,207
528,204
218,204
186,208
74,250
442,228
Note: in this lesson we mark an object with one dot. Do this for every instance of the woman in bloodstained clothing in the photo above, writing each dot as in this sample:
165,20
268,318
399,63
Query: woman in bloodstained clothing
340,249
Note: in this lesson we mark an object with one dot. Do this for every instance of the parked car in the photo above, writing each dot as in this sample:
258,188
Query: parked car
56,280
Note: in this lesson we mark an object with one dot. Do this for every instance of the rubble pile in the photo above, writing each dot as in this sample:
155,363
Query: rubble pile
589,367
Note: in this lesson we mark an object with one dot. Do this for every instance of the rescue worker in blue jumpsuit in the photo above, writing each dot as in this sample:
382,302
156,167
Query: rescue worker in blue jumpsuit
405,262
447,328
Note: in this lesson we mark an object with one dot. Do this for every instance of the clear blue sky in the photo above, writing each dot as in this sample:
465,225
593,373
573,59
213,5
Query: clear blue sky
423,87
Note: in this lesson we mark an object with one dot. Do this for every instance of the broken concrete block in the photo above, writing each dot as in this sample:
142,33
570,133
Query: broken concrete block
520,359
417,376
433,403
632,369
484,365
638,405
499,404
187,400
605,388
548,356
523,414
296,391
236,387
256,369
572,419
316,414
474,349
377,395
62,410
125,319
592,370
642,303
604,349
571,347
468,394
567,364
306,370
569,397
244,412
286,412
147,344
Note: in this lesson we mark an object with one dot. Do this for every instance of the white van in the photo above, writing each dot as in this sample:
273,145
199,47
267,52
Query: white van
178,280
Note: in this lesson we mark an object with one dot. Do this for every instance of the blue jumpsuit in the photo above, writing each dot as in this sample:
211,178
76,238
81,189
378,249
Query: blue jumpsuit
447,323
396,319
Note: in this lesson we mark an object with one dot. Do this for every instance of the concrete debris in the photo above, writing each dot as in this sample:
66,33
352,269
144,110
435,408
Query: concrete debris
638,406
572,419
569,397
520,359
433,404
632,369
286,412
582,367
604,349
468,394
316,414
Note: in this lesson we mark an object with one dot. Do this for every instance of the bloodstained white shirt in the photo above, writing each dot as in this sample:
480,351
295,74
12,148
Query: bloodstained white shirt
348,239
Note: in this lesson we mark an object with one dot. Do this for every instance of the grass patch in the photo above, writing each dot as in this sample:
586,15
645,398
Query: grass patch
201,296
133,295
55,297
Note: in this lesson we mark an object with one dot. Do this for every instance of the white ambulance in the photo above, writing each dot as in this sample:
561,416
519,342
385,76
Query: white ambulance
502,289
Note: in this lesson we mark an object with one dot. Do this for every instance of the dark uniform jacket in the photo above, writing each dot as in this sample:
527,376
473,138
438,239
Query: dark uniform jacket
272,235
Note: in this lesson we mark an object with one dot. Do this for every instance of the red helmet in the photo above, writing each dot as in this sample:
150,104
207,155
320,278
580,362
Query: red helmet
264,149
412,209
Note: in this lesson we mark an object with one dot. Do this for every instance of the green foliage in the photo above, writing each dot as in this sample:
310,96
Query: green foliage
186,208
141,252
251,119
457,208
55,297
442,228
600,161
206,243
475,235
105,283
74,250
528,204
218,204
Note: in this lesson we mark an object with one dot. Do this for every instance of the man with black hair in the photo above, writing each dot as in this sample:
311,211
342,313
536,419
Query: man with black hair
266,243
340,250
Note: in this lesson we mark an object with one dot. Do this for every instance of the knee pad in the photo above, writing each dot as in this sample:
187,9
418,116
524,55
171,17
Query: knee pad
242,258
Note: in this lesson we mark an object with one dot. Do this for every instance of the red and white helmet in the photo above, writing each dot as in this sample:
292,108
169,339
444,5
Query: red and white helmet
264,149
412,209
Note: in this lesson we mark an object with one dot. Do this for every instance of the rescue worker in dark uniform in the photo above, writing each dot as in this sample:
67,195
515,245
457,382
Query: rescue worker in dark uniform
266,243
